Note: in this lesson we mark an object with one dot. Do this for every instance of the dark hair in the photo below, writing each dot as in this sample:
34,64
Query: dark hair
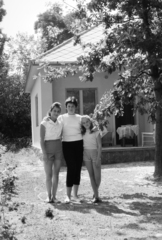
72,100
55,104
83,130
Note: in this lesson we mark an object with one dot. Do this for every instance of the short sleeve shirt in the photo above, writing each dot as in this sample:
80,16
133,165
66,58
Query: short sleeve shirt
90,140
53,130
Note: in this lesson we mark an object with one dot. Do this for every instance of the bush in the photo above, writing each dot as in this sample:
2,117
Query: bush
15,144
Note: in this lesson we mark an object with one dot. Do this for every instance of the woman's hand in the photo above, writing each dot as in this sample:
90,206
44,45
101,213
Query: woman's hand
95,129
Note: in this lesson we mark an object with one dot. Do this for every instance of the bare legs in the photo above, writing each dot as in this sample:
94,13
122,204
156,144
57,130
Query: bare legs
68,192
48,171
55,179
75,191
52,175
95,176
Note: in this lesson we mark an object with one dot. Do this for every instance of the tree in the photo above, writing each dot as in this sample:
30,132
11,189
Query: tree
20,50
15,119
131,46
53,26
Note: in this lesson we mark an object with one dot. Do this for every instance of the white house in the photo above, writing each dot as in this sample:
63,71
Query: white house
88,93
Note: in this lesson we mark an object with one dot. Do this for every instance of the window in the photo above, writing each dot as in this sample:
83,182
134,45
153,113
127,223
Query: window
36,111
86,99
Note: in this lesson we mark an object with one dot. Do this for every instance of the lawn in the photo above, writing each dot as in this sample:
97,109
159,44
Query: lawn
131,205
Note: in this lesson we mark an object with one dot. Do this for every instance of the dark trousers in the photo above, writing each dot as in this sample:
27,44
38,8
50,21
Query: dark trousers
73,155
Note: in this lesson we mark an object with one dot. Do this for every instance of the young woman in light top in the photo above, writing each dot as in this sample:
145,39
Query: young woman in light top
51,145
92,154
72,142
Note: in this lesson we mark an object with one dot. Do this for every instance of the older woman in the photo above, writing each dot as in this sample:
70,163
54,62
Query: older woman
72,147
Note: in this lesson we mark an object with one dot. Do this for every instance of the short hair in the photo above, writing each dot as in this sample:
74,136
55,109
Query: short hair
55,104
72,100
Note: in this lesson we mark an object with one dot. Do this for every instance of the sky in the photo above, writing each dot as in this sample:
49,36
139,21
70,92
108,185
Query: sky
21,14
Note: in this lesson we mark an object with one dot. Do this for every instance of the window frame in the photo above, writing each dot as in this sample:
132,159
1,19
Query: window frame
36,111
81,96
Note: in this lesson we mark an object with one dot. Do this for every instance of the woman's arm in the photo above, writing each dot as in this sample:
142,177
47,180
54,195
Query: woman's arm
99,148
42,143
60,120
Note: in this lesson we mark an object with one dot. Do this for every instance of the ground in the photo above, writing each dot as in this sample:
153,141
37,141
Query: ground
131,205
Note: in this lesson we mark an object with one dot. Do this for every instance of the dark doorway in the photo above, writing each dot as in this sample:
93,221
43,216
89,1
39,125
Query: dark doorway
126,119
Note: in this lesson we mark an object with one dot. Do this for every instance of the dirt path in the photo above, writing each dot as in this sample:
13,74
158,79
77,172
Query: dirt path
131,207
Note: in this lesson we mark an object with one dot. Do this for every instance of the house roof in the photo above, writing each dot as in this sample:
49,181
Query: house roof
66,52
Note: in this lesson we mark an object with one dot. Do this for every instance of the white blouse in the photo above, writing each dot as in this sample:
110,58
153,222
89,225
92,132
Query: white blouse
71,127
53,130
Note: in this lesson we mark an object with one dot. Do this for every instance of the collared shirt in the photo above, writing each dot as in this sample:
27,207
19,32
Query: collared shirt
53,130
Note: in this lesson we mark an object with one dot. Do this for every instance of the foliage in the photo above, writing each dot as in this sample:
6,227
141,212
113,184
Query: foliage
2,36
49,213
53,26
101,114
20,51
7,189
15,119
15,144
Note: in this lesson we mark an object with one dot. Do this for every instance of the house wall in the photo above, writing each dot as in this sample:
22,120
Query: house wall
47,98
44,93
100,83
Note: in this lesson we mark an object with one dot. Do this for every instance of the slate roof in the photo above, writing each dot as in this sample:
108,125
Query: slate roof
67,52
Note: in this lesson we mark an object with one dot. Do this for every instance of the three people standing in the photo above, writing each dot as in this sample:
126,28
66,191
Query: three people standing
65,127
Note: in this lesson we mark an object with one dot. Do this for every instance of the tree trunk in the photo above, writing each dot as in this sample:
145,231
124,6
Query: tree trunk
158,132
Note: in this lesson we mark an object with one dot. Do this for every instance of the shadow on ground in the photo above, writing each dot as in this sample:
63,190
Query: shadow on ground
105,207
147,206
